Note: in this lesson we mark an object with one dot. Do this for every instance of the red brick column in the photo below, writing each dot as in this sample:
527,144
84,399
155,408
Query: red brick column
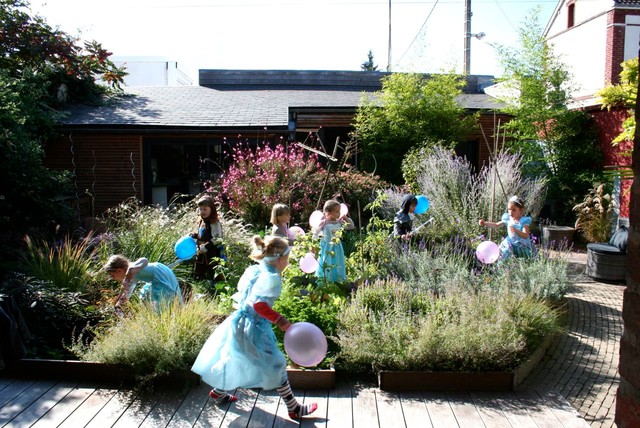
628,396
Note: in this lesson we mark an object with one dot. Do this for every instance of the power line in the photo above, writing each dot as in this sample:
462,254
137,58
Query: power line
419,31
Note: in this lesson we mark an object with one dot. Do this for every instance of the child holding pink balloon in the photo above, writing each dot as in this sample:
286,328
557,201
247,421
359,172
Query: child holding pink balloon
331,263
209,239
518,241
280,218
243,351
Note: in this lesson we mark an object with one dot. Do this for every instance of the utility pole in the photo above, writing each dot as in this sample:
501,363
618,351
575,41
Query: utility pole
389,49
467,37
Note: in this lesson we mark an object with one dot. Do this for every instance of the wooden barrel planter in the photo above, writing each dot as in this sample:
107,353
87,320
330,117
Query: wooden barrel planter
557,237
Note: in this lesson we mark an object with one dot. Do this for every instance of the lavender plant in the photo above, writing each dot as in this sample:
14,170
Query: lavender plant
458,198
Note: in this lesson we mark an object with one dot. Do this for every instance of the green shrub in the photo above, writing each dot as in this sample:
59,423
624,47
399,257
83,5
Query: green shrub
391,326
67,265
152,342
51,313
595,214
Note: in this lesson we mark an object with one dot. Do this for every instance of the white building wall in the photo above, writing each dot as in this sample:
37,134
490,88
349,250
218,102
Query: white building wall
152,71
583,51
583,47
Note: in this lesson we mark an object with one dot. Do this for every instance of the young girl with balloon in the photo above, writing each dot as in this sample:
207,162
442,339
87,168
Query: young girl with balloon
280,218
403,220
331,263
518,241
209,239
243,351
162,285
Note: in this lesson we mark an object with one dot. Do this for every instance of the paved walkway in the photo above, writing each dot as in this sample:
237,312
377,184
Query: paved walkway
582,365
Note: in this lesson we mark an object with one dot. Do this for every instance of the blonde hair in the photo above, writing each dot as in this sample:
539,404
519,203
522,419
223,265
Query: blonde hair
116,262
271,246
277,211
330,205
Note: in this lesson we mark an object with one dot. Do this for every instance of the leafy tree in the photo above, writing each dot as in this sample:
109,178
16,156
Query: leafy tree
368,65
409,110
554,141
40,69
623,94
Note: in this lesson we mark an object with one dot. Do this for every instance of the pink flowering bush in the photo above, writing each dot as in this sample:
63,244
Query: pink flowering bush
261,177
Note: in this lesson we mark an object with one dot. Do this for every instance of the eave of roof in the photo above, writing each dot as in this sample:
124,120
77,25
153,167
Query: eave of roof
198,107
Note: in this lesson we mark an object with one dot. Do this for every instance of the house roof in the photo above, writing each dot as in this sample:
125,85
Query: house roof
201,107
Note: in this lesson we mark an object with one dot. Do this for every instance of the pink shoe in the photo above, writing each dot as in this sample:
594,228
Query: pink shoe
222,398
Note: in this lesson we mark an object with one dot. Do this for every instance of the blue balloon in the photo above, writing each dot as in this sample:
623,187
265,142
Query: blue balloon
186,248
423,204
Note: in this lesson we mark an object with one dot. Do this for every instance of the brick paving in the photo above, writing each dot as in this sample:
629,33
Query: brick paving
582,365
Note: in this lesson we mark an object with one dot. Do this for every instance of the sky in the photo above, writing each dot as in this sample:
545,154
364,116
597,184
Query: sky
426,36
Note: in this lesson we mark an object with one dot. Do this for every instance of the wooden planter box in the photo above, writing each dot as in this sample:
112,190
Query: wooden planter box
89,371
461,381
92,371
311,378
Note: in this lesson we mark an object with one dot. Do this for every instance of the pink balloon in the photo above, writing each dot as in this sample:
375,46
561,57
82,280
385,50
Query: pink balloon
488,252
297,230
344,210
315,218
305,344
308,263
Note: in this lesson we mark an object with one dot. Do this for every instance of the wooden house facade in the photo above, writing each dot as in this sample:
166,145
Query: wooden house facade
157,142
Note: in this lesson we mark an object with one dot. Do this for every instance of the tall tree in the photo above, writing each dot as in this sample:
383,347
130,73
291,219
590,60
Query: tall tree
40,70
368,65
409,110
554,141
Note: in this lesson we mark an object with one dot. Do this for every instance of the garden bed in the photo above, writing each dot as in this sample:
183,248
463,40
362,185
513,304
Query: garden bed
461,381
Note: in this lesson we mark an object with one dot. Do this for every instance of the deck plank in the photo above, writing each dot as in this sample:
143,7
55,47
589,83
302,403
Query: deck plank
563,411
65,407
440,411
515,413
465,412
414,410
42,405
340,408
113,409
538,409
389,409
238,413
82,415
319,418
265,410
191,407
165,407
490,410
23,400
5,381
365,412
13,390
138,409
213,414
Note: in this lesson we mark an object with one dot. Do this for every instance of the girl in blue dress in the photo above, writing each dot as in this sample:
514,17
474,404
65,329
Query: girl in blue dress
243,351
331,261
161,286
517,241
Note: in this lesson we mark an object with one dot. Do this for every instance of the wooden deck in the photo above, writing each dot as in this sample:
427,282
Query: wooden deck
48,403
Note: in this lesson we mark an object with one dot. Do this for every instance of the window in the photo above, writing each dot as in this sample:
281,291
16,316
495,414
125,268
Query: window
570,14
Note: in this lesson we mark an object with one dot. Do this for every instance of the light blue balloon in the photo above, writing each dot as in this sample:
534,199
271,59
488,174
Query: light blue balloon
186,248
423,204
